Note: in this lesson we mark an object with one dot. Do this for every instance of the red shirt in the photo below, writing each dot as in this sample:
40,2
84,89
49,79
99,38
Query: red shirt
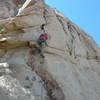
43,36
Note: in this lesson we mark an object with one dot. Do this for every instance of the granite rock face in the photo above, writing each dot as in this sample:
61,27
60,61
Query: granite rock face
19,2
70,69
7,9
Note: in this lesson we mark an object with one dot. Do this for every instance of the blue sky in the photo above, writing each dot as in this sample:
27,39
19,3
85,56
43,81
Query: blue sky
84,13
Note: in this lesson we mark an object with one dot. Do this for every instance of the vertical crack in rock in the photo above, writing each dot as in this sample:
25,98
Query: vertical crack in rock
71,48
62,24
44,16
53,90
60,19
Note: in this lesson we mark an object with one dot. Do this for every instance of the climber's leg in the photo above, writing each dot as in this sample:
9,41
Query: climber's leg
37,51
40,51
41,44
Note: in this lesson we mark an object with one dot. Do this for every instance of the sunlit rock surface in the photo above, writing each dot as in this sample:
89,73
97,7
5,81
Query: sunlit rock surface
7,9
70,70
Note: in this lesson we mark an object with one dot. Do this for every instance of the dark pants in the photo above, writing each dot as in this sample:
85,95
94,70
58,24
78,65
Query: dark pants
41,42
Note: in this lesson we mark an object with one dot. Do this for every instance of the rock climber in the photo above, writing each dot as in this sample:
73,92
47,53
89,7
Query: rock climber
42,42
40,45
